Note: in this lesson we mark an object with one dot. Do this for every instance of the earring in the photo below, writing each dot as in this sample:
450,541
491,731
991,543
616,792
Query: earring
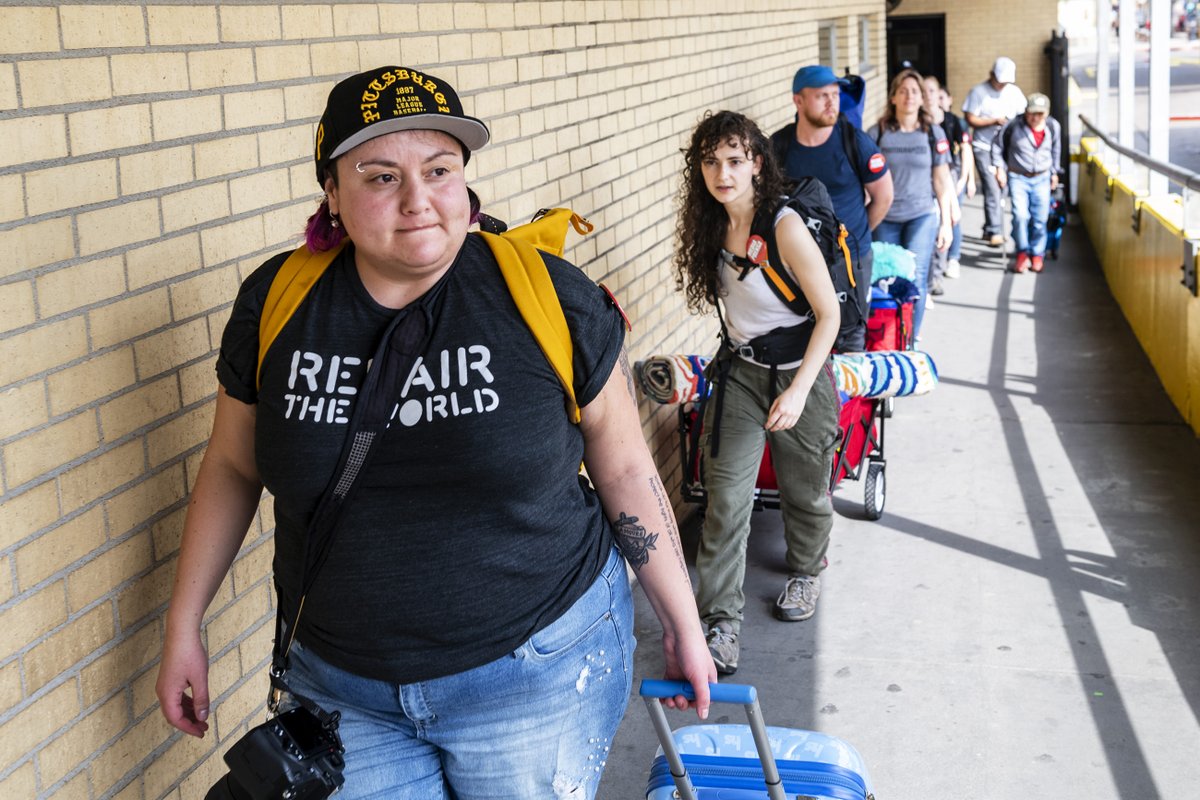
334,221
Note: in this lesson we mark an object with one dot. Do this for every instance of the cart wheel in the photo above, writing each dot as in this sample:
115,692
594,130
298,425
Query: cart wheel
875,489
887,407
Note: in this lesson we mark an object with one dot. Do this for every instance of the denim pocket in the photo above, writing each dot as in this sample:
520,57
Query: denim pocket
586,618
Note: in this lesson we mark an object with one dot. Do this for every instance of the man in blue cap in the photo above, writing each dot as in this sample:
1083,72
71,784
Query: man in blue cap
823,144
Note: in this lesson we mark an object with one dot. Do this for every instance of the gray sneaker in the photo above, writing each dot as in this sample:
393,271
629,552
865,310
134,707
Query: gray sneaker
724,648
799,598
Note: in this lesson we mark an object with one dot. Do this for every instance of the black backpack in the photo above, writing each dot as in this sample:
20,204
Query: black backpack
810,199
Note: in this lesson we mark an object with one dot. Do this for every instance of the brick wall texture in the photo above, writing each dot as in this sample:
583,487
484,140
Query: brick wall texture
151,156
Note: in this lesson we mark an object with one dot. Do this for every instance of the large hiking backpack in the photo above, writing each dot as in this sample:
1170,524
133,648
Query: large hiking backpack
853,91
521,264
810,199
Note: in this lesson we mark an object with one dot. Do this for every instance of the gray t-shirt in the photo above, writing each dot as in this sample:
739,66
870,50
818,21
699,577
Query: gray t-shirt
911,158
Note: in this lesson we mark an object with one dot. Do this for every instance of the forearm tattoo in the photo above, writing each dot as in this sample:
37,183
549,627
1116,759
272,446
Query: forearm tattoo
634,541
668,515
628,373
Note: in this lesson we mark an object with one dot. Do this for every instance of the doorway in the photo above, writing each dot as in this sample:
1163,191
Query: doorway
919,40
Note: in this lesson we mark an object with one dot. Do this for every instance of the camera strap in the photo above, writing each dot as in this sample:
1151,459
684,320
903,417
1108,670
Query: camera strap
405,338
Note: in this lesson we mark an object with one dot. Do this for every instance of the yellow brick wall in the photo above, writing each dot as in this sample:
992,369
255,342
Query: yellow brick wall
155,154
978,32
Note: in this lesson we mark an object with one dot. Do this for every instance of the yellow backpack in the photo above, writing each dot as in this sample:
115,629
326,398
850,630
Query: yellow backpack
521,264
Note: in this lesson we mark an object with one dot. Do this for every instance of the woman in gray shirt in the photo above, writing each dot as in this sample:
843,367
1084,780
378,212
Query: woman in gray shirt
918,155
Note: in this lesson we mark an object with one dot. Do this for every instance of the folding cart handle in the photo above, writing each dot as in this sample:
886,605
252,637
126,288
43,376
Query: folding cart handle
746,696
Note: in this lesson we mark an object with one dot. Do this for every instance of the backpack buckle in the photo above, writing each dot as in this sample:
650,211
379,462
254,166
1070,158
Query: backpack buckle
743,350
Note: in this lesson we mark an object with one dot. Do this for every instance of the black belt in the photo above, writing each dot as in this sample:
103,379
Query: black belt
1025,173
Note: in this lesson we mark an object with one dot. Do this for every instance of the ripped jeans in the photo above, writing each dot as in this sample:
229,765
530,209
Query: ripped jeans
536,724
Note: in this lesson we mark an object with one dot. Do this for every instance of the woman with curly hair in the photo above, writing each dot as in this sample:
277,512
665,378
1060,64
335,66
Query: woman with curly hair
771,383
923,209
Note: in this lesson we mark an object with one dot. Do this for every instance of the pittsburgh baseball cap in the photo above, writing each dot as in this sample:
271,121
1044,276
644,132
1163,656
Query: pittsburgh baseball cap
1037,103
813,77
1005,69
388,99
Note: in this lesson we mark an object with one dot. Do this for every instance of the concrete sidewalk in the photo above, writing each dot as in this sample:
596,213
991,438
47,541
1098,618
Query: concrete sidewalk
1024,621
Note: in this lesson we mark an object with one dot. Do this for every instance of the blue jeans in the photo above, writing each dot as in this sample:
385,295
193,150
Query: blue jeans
955,251
537,722
918,236
1031,207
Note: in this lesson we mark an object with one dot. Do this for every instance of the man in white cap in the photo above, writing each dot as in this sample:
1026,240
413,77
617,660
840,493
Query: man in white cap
988,108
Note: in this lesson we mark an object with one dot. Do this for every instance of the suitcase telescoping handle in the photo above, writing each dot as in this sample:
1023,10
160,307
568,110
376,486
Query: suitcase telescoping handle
746,696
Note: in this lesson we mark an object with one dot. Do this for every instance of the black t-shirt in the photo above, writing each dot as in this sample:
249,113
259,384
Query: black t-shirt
471,529
959,136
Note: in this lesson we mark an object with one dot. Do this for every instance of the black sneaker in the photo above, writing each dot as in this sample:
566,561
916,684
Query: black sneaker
724,648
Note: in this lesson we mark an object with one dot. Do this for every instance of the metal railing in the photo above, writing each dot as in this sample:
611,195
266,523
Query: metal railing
1187,180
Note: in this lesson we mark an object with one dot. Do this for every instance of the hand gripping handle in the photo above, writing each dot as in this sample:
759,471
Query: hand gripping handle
745,696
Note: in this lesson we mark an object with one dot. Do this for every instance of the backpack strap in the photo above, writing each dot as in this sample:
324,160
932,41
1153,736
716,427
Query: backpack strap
521,264
850,145
780,280
532,290
288,289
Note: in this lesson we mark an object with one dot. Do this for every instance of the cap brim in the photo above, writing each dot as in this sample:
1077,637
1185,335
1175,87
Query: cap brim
468,130
839,81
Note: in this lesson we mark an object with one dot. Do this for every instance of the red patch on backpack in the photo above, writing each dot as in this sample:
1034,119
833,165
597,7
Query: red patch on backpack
756,250
876,163
943,146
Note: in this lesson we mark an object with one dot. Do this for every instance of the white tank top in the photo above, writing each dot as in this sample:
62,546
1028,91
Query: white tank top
751,307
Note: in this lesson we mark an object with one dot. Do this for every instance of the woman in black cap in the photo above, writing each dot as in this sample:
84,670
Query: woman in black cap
471,617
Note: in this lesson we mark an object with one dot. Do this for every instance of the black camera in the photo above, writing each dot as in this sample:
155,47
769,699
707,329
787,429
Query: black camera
289,757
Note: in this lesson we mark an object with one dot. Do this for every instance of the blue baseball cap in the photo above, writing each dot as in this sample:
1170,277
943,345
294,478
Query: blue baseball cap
813,77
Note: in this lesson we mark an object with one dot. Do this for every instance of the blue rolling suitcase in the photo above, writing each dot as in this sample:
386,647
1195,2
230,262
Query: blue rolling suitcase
747,762
1056,221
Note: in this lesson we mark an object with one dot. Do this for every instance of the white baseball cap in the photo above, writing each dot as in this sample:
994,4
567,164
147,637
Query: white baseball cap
1004,69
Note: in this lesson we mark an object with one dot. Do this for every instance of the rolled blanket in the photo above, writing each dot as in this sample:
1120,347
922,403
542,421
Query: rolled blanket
673,378
885,373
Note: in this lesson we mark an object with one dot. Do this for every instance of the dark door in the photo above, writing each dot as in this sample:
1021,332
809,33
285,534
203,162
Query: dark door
920,41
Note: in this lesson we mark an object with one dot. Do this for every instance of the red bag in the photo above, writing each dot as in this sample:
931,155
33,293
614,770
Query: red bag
890,326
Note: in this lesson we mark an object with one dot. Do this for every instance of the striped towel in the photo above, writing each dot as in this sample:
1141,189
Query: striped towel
885,373
673,378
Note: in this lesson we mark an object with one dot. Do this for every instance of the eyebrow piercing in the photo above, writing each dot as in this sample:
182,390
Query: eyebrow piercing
358,166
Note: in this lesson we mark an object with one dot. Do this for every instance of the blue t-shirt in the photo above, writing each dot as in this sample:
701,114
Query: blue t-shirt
829,164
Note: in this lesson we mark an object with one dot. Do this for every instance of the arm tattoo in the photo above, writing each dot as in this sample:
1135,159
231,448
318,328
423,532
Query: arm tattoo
634,541
628,373
664,508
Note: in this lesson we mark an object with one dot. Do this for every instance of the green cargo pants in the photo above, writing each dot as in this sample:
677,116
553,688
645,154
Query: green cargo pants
803,460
